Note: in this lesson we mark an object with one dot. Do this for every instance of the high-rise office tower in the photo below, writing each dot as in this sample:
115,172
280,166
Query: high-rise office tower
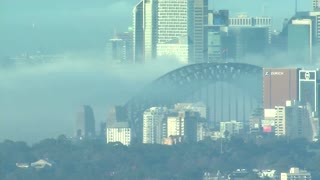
279,85
197,20
173,29
170,28
116,50
309,88
127,45
85,123
154,129
300,40
138,33
251,35
244,20
145,31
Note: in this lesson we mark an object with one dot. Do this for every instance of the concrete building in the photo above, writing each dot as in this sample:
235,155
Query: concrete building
138,33
116,50
85,123
170,28
173,29
195,107
309,88
279,85
300,40
127,38
230,128
197,20
249,40
185,124
154,125
243,20
175,124
119,132
296,174
293,121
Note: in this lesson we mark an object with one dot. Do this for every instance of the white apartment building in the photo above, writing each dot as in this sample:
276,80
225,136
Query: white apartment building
153,125
119,132
175,125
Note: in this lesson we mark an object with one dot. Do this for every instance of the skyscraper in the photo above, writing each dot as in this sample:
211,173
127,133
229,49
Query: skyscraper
170,28
197,20
116,49
173,29
308,88
279,85
138,33
85,123
300,40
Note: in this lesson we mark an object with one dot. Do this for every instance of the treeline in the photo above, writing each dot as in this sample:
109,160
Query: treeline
94,159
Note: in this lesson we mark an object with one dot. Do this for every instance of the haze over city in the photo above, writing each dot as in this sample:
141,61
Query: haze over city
78,30
177,88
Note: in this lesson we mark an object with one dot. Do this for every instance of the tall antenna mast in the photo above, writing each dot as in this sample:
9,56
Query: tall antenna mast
296,10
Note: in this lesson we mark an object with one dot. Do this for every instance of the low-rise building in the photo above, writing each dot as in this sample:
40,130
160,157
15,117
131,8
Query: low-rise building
296,174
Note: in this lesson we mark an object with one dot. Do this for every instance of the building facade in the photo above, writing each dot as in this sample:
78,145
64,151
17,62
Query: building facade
138,33
85,123
230,128
170,28
309,88
279,85
119,132
293,121
154,129
296,174
300,40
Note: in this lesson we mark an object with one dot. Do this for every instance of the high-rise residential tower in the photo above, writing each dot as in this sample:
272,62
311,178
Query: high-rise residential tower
154,125
85,123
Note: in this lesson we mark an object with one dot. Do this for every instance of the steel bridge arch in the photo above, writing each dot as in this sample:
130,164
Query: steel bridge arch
174,86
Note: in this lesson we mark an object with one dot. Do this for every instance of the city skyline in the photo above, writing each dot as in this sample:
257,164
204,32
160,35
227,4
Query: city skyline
16,77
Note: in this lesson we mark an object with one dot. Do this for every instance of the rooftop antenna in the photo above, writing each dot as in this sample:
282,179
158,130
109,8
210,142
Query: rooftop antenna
296,7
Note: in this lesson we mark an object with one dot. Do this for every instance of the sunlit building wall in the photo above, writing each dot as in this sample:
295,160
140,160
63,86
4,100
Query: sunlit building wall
119,132
153,125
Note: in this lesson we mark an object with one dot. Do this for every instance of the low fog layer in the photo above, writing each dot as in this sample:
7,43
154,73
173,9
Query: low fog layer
41,100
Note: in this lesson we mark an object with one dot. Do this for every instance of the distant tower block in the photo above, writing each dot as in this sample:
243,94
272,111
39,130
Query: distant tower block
85,123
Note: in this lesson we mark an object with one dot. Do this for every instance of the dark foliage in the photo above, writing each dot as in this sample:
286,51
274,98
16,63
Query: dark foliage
96,160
